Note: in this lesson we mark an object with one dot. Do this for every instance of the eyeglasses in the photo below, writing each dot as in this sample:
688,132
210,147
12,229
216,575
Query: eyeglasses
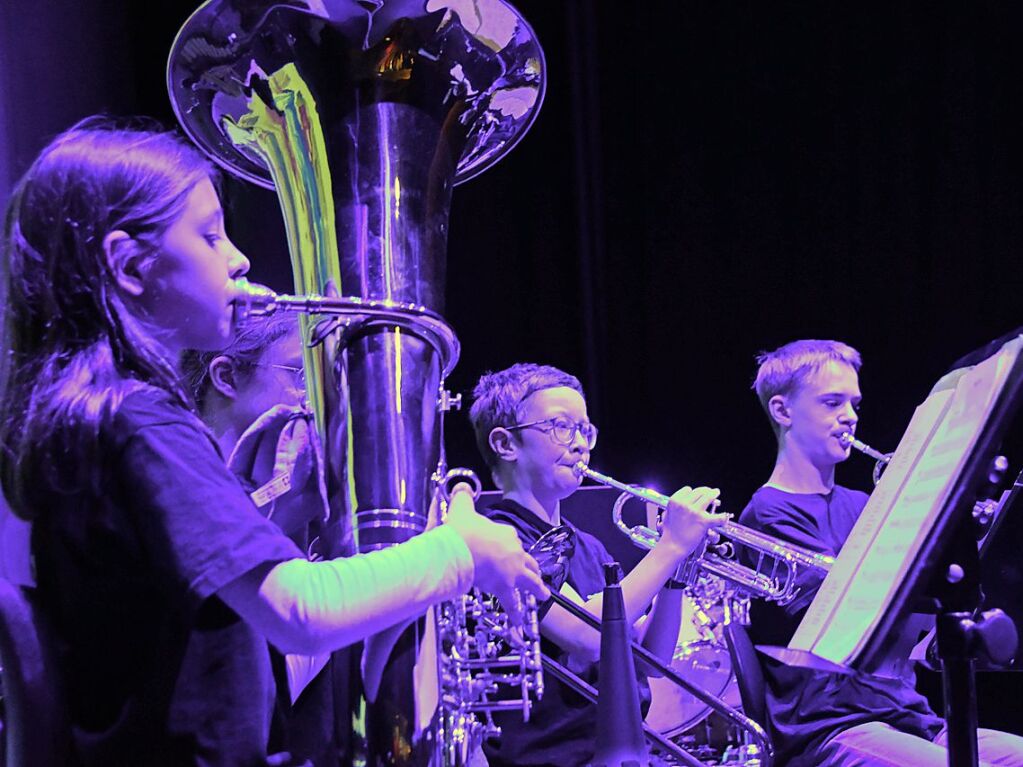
562,430
298,372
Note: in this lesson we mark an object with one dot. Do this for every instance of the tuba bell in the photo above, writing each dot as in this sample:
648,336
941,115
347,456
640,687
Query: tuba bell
363,116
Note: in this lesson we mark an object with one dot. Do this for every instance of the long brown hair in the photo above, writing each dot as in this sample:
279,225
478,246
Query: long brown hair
72,349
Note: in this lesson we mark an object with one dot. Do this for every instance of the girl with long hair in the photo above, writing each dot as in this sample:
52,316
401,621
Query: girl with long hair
160,579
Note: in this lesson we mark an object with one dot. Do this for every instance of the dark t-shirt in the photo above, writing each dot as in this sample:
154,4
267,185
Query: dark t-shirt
158,670
805,708
561,731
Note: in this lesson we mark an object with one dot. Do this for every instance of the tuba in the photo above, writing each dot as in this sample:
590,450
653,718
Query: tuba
363,116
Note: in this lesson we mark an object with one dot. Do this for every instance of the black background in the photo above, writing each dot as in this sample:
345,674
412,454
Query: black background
704,181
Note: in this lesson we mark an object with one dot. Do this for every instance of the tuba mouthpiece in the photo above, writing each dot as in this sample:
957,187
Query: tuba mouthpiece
252,300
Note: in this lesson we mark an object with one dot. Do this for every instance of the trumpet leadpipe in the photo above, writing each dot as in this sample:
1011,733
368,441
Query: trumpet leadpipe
848,440
881,459
646,494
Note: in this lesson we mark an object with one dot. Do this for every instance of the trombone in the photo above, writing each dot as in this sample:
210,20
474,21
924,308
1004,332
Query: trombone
550,551
572,680
777,564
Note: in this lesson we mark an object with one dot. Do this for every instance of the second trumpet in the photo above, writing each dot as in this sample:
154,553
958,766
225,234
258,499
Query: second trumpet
775,564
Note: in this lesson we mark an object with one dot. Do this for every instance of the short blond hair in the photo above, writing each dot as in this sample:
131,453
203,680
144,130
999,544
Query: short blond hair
785,369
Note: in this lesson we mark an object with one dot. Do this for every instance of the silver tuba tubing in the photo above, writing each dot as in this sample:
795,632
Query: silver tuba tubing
776,563
351,313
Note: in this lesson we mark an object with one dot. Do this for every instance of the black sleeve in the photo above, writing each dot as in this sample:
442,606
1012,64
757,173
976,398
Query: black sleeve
787,525
200,528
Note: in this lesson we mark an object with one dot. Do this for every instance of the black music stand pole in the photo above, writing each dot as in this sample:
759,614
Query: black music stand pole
964,638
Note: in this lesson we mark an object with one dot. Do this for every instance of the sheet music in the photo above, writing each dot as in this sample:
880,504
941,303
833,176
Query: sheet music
901,512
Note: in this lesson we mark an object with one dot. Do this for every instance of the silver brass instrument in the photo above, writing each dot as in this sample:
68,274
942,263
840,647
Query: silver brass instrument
881,459
776,563
363,115
762,745
984,510
481,653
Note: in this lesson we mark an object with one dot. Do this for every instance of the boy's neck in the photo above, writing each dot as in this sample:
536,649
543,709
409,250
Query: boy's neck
794,472
549,511
224,429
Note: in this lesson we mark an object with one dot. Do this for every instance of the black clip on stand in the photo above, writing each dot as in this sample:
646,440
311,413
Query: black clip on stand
965,637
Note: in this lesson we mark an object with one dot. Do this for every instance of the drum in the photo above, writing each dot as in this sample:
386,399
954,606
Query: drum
701,657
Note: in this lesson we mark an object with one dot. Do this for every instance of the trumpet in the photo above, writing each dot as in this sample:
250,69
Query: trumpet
773,576
882,459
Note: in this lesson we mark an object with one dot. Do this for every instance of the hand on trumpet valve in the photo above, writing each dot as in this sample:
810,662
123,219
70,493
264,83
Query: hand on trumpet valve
689,517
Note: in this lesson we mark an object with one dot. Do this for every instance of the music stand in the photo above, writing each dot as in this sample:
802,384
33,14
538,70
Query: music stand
915,545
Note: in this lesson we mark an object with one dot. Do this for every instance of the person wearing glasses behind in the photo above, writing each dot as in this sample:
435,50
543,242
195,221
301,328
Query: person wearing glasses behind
251,395
532,428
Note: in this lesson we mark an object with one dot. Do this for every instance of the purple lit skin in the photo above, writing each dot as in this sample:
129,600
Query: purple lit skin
545,468
813,418
824,408
188,291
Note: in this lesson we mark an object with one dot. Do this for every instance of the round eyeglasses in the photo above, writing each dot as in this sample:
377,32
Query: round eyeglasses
562,430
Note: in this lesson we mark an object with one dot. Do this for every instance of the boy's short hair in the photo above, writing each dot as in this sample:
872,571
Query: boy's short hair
497,397
250,343
786,368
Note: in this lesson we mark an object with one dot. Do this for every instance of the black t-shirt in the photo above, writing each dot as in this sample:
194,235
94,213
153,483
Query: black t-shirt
805,708
561,731
158,670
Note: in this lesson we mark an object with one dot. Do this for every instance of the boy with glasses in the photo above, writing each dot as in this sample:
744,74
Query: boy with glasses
532,428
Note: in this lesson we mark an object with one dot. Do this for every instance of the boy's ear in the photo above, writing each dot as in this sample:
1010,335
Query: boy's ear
778,407
127,260
502,443
224,376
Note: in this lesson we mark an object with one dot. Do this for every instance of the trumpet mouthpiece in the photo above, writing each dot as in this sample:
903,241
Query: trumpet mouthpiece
848,440
580,469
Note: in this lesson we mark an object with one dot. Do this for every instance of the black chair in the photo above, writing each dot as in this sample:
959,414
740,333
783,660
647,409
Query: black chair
36,725
748,673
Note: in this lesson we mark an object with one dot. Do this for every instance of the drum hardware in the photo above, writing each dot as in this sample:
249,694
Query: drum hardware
731,714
